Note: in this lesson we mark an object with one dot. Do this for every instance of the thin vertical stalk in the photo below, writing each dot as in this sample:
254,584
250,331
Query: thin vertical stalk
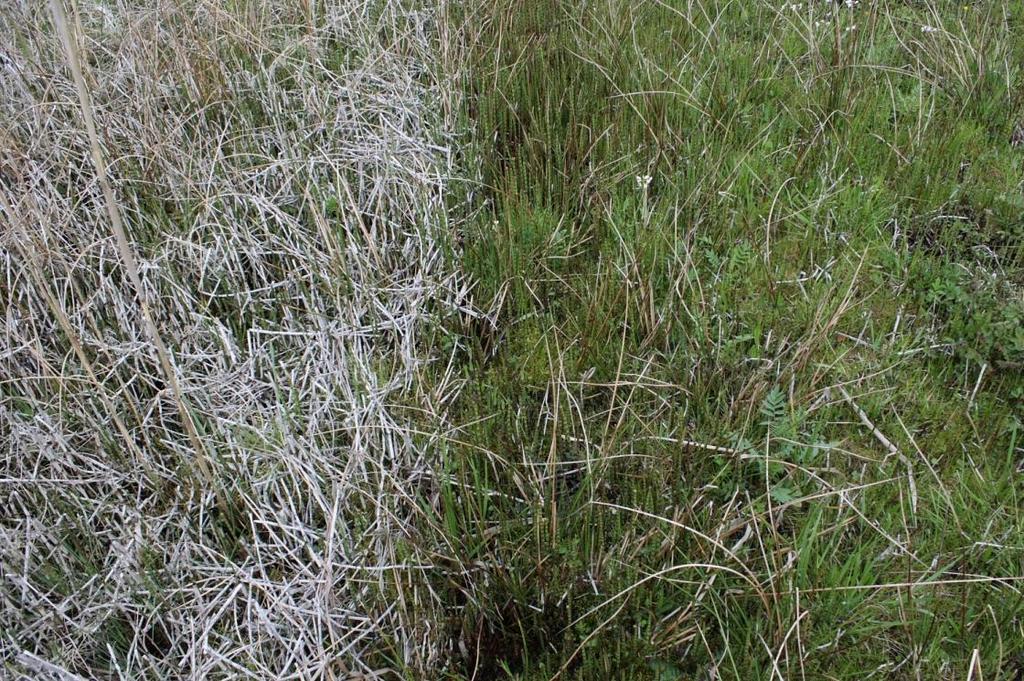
123,245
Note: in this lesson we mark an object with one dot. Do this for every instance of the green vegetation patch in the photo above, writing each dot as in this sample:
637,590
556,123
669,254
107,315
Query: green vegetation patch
747,402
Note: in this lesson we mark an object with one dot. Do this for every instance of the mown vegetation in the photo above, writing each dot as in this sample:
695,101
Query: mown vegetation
520,339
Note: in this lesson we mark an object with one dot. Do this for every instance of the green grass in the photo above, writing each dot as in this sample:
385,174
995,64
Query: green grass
656,473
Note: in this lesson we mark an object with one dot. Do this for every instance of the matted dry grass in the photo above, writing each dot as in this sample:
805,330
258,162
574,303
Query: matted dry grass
282,172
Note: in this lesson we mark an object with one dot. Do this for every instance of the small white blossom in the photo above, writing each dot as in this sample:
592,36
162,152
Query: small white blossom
929,29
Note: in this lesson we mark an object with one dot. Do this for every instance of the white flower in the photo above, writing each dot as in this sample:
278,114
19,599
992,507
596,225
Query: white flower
929,29
643,181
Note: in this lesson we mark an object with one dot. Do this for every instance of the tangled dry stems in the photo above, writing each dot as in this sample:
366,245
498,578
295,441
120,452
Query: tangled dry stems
283,172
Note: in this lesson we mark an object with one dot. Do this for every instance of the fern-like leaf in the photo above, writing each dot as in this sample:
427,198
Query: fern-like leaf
773,408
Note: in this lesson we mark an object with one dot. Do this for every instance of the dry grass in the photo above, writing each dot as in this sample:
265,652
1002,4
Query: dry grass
282,170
